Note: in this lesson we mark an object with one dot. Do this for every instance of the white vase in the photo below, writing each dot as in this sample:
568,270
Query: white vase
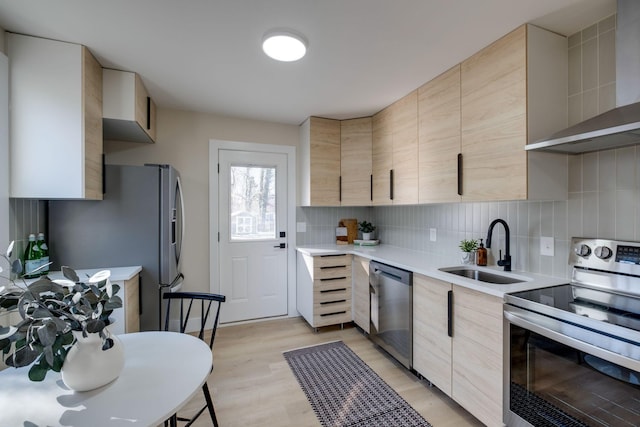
87,366
368,236
468,258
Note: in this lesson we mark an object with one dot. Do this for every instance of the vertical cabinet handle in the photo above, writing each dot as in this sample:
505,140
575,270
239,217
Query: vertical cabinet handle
450,313
371,187
459,174
148,113
340,188
391,184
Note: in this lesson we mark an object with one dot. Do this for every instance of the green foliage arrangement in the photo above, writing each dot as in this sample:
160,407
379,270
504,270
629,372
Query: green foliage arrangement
49,311
468,245
366,227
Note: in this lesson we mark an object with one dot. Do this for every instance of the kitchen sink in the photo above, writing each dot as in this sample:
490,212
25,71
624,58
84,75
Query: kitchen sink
481,276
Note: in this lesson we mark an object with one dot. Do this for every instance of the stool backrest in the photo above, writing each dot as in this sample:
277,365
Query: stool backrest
209,308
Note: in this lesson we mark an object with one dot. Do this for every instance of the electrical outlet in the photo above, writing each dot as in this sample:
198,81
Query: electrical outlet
432,234
546,246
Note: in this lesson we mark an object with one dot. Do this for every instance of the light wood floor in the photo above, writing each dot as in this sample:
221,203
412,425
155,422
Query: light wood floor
252,384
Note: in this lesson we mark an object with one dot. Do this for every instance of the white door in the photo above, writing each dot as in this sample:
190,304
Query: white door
252,219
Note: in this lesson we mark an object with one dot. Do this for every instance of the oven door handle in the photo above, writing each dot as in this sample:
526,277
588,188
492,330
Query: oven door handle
518,317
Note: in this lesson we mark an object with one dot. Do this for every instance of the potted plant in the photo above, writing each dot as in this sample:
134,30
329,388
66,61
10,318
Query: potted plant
468,248
54,314
367,230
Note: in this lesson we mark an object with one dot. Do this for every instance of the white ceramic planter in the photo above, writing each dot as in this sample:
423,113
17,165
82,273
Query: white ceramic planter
87,366
468,258
369,236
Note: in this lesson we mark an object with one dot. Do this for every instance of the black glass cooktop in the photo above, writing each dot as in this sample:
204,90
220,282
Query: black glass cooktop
617,309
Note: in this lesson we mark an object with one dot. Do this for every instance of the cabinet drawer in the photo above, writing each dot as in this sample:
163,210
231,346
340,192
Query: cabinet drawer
332,315
331,294
332,260
333,283
332,272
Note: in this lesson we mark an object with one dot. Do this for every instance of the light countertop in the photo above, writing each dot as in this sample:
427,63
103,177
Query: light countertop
117,273
422,263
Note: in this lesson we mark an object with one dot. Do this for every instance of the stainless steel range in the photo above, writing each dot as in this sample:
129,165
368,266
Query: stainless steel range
575,348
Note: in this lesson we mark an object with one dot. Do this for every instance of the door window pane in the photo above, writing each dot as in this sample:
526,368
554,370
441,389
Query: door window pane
252,208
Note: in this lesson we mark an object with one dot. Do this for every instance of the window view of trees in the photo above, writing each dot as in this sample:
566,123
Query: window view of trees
253,202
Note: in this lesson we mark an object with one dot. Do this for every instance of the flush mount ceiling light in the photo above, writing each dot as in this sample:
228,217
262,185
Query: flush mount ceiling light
284,45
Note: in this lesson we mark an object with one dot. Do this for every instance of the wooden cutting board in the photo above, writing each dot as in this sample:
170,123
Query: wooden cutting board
352,228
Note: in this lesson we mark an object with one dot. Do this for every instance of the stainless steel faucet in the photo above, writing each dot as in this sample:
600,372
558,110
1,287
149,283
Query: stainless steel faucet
506,261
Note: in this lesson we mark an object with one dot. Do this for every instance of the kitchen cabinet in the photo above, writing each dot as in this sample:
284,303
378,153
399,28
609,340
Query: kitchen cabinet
395,152
478,354
439,138
514,92
458,345
129,113
355,162
432,345
324,289
361,299
128,318
320,162
55,121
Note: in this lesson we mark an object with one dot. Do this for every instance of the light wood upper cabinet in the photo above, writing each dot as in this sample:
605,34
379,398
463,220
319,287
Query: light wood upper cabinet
320,162
439,138
405,149
355,162
361,298
56,120
395,152
504,105
382,160
129,112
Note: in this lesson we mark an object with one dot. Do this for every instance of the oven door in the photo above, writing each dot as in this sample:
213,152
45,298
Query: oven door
564,375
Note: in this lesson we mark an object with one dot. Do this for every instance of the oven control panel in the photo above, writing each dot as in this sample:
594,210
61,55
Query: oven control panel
607,255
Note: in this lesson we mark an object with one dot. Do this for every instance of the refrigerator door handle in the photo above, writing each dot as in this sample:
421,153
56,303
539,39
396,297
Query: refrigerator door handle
183,222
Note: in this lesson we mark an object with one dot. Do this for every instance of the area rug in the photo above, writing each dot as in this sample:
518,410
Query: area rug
345,391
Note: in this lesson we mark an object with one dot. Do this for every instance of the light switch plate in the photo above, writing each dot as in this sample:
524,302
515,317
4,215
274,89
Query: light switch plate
301,227
546,246
432,234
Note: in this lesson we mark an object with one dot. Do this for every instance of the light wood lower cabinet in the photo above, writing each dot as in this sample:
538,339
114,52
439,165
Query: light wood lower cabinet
324,289
468,365
128,317
361,299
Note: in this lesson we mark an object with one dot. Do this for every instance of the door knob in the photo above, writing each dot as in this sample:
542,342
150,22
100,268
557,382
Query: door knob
281,246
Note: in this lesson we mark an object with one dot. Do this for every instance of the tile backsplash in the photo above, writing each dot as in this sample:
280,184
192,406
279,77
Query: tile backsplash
26,216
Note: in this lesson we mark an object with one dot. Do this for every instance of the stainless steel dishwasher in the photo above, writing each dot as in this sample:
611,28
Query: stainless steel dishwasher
391,294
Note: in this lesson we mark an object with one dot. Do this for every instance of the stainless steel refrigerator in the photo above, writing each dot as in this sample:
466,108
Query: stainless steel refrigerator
140,221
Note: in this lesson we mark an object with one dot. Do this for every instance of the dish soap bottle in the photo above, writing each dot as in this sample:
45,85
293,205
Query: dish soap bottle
482,254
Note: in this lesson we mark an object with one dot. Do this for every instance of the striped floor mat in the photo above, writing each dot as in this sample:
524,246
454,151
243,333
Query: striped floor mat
345,391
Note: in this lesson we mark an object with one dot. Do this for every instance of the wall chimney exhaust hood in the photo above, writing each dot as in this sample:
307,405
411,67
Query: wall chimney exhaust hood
618,127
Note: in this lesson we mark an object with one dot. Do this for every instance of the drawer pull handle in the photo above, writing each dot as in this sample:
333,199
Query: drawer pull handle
331,255
333,278
333,290
340,301
333,314
333,266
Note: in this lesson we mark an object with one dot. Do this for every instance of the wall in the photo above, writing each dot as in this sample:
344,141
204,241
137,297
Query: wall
183,141
604,188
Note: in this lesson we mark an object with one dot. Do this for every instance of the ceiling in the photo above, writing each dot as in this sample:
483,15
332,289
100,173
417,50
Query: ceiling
205,55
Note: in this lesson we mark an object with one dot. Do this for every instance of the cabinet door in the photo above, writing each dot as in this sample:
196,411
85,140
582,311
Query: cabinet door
405,149
431,342
355,162
439,138
56,120
361,299
478,352
145,109
132,304
494,120
325,162
382,160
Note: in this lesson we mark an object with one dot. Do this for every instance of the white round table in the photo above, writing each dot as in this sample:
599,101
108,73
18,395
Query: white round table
162,371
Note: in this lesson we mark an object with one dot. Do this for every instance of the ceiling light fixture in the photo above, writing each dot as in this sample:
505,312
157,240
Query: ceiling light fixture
284,45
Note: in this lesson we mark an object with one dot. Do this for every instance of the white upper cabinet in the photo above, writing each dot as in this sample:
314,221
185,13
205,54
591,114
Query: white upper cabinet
55,120
129,113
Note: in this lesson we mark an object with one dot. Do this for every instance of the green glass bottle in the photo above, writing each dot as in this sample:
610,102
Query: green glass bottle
44,254
31,258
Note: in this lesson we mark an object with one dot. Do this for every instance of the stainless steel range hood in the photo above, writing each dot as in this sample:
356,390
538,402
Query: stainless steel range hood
621,126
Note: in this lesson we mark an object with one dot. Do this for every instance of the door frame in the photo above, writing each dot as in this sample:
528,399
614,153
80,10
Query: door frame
214,259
